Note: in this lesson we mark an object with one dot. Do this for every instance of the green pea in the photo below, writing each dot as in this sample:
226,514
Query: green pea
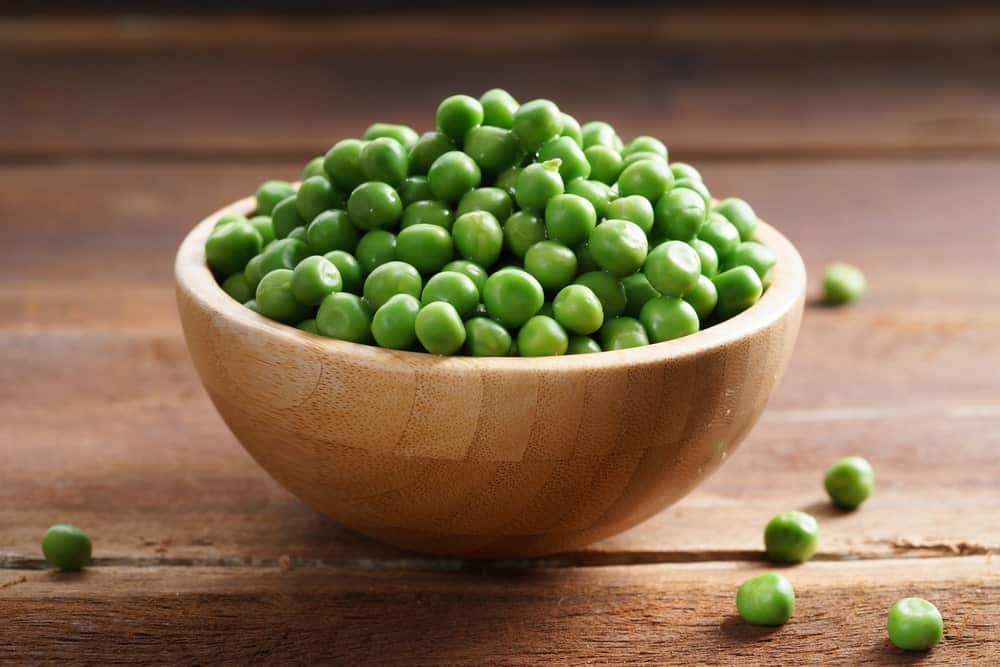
276,300
342,164
471,270
478,237
740,214
572,161
605,163
684,170
758,257
270,193
668,317
313,168
843,283
637,292
283,254
406,136
679,214
349,270
570,219
428,213
452,175
493,200
618,246
638,156
299,233
702,297
598,133
512,296
584,260
738,289
393,277
262,223
672,268
439,328
499,107
542,336
375,249
429,147
598,194
66,547
649,178
582,345
237,287
426,247
696,186
620,333
521,231
552,263
493,149
571,129
308,325
285,217
537,184
414,189
608,289
394,323
229,218
578,309
507,181
536,122
230,247
345,316
252,305
252,274
914,624
374,205
767,599
313,279
791,537
315,195
646,144
332,230
384,159
486,338
849,482
455,288
709,258
719,233
458,114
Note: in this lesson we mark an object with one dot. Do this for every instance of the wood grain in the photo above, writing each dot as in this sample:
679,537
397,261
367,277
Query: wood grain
673,614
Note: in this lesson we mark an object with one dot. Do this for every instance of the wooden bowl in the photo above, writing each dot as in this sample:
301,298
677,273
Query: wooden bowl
486,457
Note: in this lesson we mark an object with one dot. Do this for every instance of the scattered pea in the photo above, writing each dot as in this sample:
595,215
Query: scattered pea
843,283
66,547
914,624
791,537
766,599
849,482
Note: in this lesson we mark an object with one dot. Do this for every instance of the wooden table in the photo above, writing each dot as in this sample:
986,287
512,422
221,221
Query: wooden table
873,138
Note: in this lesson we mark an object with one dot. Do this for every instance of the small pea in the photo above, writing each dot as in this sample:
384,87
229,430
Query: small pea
414,189
394,323
521,231
429,147
914,624
572,160
486,338
684,170
637,292
349,270
276,300
552,263
238,287
264,227
737,289
719,233
620,333
452,175
406,136
608,289
600,195
537,184
578,309
766,599
618,246
313,279
758,257
374,205
709,258
375,249
345,316
426,247
512,296
230,247
702,297
680,214
342,164
849,482
315,195
391,278
582,345
499,107
478,237
283,254
646,144
843,283
542,336
458,114
428,213
314,168
672,268
270,193
439,328
492,148
332,230
471,270
385,159
599,133
569,219
66,547
649,178
740,214
668,317
634,208
605,163
454,288
493,200
571,129
536,122
791,537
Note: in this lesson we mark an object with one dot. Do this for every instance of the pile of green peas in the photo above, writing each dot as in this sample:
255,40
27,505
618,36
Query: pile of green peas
510,229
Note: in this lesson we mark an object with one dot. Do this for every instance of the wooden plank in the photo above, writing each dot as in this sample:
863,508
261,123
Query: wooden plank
709,82
668,614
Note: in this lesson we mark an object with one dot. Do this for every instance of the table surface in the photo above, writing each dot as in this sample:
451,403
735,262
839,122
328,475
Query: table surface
868,137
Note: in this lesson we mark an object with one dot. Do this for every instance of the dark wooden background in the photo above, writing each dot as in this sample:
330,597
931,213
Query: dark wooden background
867,135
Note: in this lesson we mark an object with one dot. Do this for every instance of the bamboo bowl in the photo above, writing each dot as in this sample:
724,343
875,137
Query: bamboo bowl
486,457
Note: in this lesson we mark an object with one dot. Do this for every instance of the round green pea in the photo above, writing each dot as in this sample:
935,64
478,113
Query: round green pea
238,287
570,219
452,175
672,268
605,163
542,336
345,316
521,231
791,537
633,208
679,214
385,159
427,213
849,482
702,297
608,289
391,278
582,345
283,254
493,200
374,205
394,323
313,279
599,133
428,148
426,247
308,325
709,258
740,214
719,233
349,270
342,164
618,246
646,144
637,292
493,149
414,189
620,333
458,114
571,129
537,184
276,300
536,122
454,288
684,170
578,309
313,168
332,230
439,328
486,338
766,599
262,223
315,195
478,237
758,257
638,156
229,247
649,178
914,624
843,283
572,160
375,249
668,317
512,296
499,107
66,547
471,270
738,289
598,194
270,193
552,263
406,136
696,186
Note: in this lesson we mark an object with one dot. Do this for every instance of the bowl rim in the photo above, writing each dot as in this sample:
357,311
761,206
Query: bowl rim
787,290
